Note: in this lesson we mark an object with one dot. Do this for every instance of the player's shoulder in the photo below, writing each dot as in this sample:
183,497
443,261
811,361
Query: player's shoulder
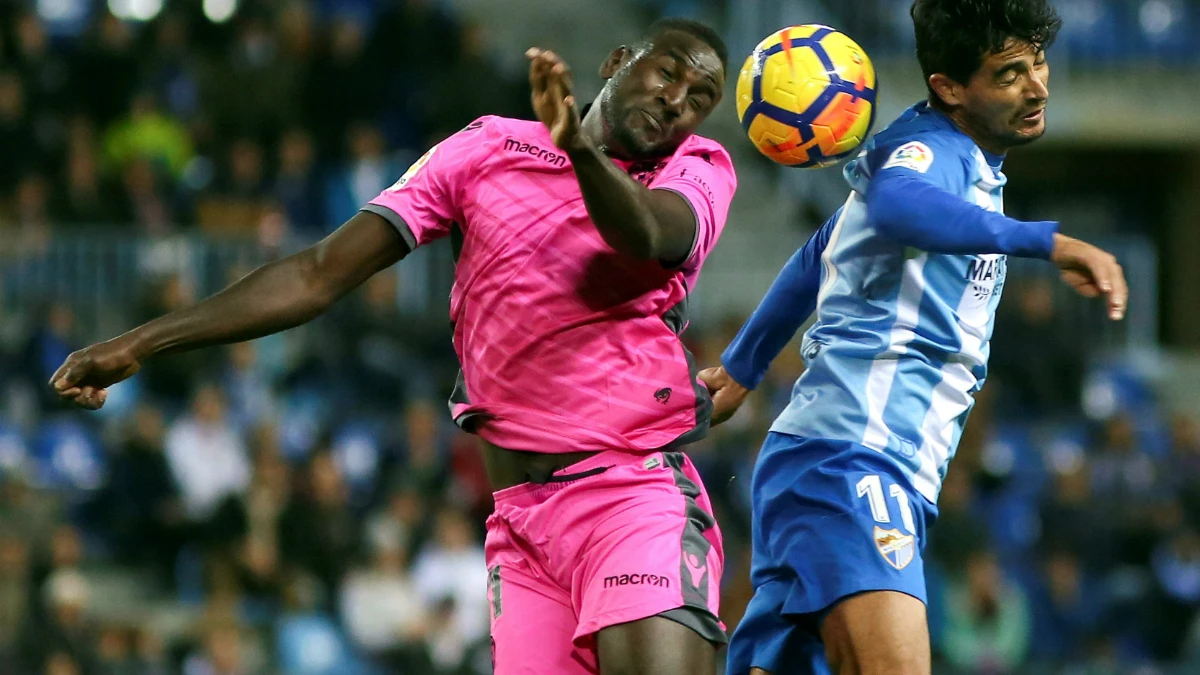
705,148
923,140
709,151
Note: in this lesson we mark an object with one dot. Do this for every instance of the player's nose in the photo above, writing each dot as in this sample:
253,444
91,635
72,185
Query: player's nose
673,98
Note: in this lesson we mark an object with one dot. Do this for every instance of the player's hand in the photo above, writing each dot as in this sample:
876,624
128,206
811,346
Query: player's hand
86,375
1092,272
554,100
727,394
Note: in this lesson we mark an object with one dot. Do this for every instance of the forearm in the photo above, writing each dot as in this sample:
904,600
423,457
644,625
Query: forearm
923,216
277,296
273,298
630,217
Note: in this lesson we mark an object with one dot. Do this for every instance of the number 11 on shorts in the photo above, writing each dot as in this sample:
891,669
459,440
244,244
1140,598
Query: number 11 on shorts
871,487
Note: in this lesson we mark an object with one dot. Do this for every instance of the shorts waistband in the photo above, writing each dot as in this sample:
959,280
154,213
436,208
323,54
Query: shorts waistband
531,493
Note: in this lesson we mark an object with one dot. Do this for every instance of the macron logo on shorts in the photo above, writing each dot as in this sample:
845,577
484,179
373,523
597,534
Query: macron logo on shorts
636,580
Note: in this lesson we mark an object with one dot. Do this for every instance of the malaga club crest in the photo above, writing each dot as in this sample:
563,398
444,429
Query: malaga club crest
896,548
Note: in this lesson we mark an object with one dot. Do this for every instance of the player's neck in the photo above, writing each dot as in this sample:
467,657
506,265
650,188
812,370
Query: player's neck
960,120
593,127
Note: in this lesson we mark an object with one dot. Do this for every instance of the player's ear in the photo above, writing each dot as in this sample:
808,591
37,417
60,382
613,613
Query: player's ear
947,89
615,60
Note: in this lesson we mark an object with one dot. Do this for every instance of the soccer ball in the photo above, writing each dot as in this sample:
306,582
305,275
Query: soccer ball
806,96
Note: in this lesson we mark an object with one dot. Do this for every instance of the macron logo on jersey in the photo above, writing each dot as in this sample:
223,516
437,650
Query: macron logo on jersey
913,155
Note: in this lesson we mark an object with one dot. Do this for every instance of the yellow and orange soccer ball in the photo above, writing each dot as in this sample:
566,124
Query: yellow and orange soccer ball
806,96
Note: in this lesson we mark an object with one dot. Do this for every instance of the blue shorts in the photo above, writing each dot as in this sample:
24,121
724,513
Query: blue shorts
831,519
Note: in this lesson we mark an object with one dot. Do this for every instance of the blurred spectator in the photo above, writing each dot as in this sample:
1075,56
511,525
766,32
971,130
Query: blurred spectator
21,151
239,202
451,576
1068,611
48,347
342,86
253,90
297,188
15,594
207,458
45,71
220,654
1039,370
382,610
960,532
105,69
425,454
150,134
173,71
1176,565
114,655
395,352
1184,466
251,399
473,86
368,171
141,501
988,626
318,534
396,524
64,630
1125,480
1072,522
146,201
82,198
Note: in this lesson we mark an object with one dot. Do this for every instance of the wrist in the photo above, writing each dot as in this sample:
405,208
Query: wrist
137,343
581,148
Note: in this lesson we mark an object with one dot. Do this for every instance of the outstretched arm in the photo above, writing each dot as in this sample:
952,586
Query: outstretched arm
913,211
274,297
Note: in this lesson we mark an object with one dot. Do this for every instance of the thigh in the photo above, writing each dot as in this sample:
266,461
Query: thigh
654,646
878,632
533,626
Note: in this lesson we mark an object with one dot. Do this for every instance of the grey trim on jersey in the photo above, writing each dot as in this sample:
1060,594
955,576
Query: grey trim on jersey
695,234
396,221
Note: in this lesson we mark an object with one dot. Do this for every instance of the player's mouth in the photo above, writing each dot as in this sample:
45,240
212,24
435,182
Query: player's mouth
653,123
1035,116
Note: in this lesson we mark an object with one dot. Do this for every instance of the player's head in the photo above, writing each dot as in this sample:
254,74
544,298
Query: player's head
984,62
662,88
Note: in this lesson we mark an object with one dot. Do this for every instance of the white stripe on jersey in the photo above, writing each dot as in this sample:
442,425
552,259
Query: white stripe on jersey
951,397
830,269
883,370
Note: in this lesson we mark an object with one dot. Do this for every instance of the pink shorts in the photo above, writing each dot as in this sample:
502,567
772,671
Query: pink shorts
612,539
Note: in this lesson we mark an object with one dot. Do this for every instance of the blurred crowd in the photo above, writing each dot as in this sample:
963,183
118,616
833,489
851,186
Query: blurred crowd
287,117
302,504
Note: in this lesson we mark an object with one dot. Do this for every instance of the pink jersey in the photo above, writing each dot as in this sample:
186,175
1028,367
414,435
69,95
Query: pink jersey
565,344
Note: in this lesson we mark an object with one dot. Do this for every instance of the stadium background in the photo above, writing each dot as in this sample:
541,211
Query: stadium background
300,504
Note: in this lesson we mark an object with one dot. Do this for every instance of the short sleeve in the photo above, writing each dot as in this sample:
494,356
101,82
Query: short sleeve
930,157
423,203
704,176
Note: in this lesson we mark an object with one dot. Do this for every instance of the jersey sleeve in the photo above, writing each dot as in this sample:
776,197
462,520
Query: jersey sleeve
916,197
705,178
423,203
927,157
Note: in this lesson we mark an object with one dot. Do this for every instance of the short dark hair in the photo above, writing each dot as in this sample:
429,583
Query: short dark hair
955,36
698,30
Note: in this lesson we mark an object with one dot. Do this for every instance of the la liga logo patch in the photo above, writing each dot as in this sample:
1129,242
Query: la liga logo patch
913,155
